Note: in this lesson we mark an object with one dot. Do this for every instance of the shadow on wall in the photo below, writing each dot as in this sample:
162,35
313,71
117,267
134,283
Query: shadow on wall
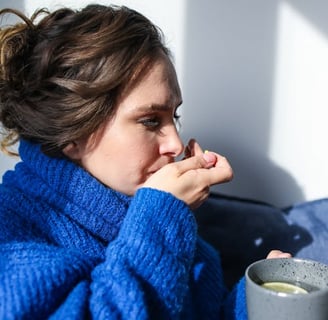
228,82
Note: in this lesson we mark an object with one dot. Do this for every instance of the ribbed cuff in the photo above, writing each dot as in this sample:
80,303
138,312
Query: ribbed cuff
159,218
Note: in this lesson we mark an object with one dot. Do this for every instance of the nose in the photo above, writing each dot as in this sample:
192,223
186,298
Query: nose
171,143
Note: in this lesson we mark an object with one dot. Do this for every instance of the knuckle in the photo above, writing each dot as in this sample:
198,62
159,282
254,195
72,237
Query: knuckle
199,162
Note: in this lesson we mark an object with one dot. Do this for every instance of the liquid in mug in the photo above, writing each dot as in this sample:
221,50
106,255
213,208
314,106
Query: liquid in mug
286,287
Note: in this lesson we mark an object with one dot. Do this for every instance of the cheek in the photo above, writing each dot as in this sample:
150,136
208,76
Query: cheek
133,169
142,156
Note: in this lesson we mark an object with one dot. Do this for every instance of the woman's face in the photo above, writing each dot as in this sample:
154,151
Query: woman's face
142,136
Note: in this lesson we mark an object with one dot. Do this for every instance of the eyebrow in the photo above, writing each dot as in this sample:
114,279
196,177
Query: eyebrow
156,107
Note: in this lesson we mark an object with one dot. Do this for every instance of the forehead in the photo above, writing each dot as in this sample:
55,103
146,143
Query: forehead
158,85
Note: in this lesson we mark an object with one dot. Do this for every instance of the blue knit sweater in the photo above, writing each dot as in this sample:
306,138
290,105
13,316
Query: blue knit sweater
71,248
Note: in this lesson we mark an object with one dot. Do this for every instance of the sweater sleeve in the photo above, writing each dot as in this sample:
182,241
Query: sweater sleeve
145,274
235,306
147,268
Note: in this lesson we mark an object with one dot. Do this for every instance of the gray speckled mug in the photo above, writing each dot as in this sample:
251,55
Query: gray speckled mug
310,302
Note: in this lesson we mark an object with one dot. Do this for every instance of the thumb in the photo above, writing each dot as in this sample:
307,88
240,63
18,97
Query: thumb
210,158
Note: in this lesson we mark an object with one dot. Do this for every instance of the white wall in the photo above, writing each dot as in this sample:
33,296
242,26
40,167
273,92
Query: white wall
254,77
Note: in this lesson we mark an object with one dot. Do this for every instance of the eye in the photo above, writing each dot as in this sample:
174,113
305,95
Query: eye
177,117
151,122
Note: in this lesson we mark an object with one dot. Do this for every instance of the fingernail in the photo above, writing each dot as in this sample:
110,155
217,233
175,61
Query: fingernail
209,157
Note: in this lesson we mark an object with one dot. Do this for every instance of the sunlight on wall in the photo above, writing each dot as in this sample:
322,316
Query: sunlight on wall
299,117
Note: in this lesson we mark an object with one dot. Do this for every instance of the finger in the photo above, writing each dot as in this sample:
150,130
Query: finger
221,176
187,152
285,255
195,147
197,151
221,172
211,158
274,254
192,163
209,175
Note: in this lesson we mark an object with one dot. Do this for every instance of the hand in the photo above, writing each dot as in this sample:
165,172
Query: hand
278,254
190,179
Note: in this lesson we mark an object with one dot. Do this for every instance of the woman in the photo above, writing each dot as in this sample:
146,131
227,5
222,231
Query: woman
96,218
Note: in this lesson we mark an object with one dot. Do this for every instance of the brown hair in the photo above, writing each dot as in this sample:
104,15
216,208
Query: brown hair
60,77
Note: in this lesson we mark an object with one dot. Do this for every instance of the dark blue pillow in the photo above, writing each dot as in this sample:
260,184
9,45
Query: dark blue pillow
244,231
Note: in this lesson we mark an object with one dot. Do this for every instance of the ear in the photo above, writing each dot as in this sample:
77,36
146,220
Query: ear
74,151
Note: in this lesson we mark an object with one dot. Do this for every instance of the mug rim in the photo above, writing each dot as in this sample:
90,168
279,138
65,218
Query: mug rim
251,282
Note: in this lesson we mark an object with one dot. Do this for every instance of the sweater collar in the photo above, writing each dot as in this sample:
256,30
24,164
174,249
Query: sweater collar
93,205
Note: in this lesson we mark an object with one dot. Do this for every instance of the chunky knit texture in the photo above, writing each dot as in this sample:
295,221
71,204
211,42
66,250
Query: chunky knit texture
71,248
